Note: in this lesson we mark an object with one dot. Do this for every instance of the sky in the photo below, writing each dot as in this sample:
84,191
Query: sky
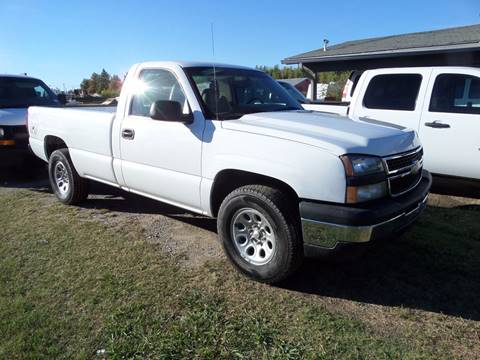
63,42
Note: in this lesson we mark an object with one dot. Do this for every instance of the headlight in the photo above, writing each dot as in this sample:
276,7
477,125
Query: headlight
358,165
357,194
366,178
2,133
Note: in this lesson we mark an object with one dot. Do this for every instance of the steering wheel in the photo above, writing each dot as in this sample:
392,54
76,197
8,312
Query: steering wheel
255,101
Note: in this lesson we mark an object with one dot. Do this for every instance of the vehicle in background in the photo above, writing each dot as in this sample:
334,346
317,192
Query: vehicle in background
17,93
229,142
308,104
294,92
441,103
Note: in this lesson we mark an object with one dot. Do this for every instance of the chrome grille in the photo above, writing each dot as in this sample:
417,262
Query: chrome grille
404,171
402,184
404,161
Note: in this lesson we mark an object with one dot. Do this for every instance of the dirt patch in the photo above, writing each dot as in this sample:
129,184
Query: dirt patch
188,237
446,201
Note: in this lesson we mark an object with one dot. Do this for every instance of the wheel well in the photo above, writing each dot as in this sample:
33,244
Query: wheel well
53,143
228,180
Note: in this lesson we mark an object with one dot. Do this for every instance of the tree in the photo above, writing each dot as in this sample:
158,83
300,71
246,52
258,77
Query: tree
85,85
103,81
286,72
93,84
115,83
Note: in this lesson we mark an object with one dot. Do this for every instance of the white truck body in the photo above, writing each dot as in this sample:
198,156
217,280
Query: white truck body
100,153
179,163
445,113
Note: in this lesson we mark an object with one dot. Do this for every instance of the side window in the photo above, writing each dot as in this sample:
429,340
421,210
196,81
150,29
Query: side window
154,85
393,92
41,92
456,93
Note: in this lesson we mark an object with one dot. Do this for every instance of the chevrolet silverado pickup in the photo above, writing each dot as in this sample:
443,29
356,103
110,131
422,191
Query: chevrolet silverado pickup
442,103
229,142
17,93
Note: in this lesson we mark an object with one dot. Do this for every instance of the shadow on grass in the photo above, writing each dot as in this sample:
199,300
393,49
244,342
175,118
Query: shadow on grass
456,187
106,197
433,267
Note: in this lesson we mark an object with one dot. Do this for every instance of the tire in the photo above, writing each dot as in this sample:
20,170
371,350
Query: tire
269,247
66,184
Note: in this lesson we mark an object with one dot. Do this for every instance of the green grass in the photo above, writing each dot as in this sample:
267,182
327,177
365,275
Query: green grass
72,288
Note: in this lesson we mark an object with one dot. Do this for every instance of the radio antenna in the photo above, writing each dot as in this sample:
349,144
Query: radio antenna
215,90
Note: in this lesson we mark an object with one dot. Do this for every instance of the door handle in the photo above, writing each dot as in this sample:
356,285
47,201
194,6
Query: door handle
437,125
128,134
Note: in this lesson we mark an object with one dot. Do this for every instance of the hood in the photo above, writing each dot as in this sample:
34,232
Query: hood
13,117
334,133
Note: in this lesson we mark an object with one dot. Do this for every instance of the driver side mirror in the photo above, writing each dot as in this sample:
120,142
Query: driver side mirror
167,110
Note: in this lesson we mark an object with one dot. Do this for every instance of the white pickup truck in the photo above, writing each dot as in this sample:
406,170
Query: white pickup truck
229,142
441,103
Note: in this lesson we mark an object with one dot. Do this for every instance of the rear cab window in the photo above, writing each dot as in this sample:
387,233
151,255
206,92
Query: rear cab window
456,93
393,92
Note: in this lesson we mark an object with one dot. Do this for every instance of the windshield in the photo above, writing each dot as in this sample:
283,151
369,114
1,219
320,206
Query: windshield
24,92
232,93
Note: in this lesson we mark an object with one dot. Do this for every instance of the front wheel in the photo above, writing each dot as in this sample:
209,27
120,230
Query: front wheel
259,233
66,184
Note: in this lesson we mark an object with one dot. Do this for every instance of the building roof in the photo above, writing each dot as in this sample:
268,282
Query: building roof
452,39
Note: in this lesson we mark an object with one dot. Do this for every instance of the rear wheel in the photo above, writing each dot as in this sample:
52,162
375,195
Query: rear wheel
259,233
66,184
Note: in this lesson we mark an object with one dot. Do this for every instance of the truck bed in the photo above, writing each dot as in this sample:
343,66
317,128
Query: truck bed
85,130
102,108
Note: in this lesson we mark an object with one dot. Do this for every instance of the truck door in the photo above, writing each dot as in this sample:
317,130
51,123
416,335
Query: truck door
450,125
161,159
393,97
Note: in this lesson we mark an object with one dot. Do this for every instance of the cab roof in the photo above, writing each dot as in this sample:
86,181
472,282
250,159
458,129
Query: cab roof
188,64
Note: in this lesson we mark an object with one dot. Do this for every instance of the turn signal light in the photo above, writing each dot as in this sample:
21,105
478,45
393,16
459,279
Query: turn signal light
358,194
7,142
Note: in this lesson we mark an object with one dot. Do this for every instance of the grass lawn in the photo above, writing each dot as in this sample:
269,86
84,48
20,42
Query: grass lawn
73,287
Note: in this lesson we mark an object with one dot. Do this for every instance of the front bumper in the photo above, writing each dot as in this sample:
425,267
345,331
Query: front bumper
10,156
14,147
327,226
